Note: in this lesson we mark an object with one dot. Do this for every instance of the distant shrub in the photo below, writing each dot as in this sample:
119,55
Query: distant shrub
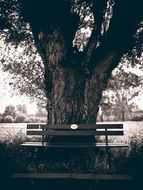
1,119
137,118
42,119
8,119
20,118
34,119
31,119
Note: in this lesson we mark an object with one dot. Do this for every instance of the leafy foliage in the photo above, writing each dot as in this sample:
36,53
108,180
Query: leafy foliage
26,69
86,32
8,119
22,60
20,118
10,110
123,87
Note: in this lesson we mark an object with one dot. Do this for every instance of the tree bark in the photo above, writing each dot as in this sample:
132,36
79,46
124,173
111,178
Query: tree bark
73,89
74,80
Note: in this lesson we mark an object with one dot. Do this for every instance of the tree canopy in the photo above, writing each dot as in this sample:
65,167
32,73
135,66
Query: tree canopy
117,19
80,42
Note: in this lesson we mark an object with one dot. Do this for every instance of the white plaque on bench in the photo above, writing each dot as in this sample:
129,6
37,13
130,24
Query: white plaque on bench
74,126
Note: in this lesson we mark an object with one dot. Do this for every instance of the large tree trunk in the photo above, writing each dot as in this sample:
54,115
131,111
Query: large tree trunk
74,80
73,90
65,86
73,96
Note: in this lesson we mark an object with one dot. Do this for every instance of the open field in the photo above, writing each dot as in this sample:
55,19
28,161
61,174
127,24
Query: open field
8,130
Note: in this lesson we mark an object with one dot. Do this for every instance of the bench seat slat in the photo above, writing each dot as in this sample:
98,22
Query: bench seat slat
85,126
74,145
75,133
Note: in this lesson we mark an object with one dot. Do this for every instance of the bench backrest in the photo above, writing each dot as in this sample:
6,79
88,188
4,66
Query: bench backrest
82,130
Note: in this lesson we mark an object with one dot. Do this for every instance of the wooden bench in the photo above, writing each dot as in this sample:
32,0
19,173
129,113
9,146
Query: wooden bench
43,131
74,132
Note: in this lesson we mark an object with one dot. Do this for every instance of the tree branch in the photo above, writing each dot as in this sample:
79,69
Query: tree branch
98,9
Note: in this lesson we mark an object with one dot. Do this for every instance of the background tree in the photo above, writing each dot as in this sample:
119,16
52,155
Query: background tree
9,110
106,104
26,75
122,88
76,73
21,113
41,112
8,119
21,109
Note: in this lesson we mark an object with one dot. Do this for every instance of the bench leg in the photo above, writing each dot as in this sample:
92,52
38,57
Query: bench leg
108,154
